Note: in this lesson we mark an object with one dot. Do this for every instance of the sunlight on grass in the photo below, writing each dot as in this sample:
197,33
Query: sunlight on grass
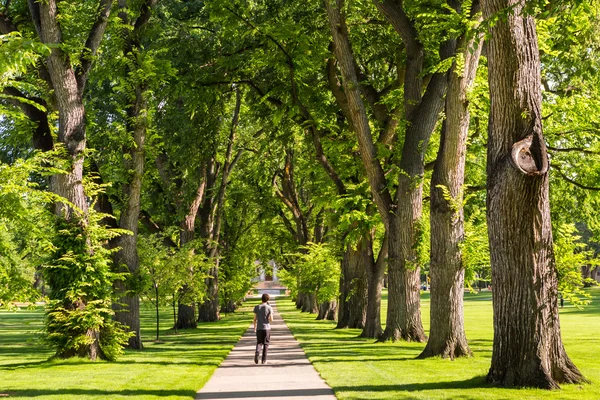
361,369
174,368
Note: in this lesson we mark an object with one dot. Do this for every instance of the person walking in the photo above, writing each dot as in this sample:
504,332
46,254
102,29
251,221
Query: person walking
263,316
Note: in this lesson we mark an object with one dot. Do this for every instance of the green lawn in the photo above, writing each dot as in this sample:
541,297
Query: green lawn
175,368
361,369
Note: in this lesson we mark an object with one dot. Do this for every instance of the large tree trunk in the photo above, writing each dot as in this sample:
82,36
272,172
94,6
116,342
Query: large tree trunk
208,311
328,310
309,303
375,271
447,333
186,316
352,311
68,91
127,308
404,301
528,349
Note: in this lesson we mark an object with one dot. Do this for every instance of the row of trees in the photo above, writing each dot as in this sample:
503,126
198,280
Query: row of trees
180,142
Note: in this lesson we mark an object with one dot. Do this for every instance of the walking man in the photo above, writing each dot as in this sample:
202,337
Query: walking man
263,316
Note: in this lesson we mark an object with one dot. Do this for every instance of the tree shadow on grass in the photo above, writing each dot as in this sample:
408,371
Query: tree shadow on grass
84,393
477,382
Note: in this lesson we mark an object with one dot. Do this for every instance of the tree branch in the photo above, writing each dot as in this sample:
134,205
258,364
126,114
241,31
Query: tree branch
573,149
93,42
572,181
42,137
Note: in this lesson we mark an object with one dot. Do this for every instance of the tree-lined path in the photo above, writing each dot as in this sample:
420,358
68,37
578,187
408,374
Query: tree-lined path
287,375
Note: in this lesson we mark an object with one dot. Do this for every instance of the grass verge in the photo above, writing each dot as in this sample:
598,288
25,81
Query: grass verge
174,368
361,369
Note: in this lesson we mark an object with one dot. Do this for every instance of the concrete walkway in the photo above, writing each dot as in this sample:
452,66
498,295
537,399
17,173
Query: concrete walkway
287,374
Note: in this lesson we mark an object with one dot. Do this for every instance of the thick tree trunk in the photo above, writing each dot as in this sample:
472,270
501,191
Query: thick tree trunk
309,303
447,333
528,349
328,310
68,92
375,271
127,308
186,316
404,301
352,308
229,307
209,310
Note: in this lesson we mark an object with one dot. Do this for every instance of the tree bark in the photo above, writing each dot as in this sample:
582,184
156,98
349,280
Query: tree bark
127,309
375,271
527,349
68,87
447,333
352,306
186,316
328,311
209,310
309,303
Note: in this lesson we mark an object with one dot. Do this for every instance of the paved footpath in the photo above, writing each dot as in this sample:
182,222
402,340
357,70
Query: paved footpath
287,374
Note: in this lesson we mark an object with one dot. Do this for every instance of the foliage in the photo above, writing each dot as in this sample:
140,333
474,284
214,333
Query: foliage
475,250
80,277
26,231
571,254
316,270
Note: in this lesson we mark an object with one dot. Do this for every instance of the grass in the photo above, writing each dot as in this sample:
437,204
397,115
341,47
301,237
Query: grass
360,369
174,368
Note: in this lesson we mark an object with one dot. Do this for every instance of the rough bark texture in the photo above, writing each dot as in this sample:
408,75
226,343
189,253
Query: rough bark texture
127,309
375,271
401,216
447,333
328,311
528,349
352,307
209,310
69,86
186,316
309,303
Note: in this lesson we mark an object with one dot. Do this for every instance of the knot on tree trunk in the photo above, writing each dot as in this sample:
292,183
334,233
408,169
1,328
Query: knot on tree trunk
529,156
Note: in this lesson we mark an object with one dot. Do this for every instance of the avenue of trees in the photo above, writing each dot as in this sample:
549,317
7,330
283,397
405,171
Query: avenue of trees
156,150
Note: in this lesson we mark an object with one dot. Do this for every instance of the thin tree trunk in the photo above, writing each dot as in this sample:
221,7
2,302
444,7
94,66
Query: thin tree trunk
209,310
186,317
528,349
157,314
447,333
174,304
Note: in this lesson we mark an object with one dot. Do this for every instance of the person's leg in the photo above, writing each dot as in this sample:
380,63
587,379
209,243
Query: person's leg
260,339
266,342
258,346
